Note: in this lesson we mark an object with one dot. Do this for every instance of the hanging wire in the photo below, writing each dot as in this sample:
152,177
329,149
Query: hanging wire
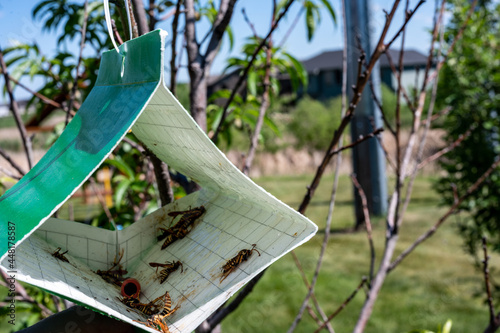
108,23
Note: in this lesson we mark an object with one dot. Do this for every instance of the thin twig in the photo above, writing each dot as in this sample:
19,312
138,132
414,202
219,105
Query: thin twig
43,98
306,282
292,26
16,166
77,67
443,218
8,173
447,149
118,38
247,20
15,112
382,111
343,305
398,75
265,102
391,235
437,115
368,224
333,196
409,14
361,82
486,272
438,21
361,139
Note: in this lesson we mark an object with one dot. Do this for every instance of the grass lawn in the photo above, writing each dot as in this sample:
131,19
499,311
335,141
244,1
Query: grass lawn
435,283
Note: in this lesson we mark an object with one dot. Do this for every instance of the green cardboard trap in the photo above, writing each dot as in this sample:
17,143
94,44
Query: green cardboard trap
130,94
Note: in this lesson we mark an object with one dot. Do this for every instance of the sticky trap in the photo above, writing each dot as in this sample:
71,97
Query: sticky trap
130,94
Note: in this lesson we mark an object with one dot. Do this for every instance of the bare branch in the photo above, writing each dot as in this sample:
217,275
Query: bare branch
118,38
437,25
310,288
16,166
254,140
452,210
403,27
368,224
361,138
447,149
438,21
15,112
437,115
223,312
43,98
8,173
219,27
162,179
247,20
361,82
292,26
398,75
382,111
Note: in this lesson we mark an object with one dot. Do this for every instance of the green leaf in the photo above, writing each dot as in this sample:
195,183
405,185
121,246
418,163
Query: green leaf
272,125
329,7
310,23
447,326
122,166
252,83
120,192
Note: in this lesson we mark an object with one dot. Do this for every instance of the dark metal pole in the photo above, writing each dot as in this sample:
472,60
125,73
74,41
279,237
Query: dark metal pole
368,157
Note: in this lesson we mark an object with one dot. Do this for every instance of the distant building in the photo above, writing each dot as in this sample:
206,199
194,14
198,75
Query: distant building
5,108
325,72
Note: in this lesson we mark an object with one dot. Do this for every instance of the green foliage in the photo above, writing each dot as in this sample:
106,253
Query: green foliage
312,10
313,122
27,314
445,329
242,117
470,84
134,195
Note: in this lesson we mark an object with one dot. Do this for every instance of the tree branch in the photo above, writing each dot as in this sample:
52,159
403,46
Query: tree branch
368,224
15,112
447,149
16,166
443,218
361,138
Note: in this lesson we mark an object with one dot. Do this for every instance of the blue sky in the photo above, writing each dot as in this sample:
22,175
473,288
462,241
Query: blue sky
16,24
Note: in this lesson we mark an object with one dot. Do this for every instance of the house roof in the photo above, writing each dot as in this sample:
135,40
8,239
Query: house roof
333,60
